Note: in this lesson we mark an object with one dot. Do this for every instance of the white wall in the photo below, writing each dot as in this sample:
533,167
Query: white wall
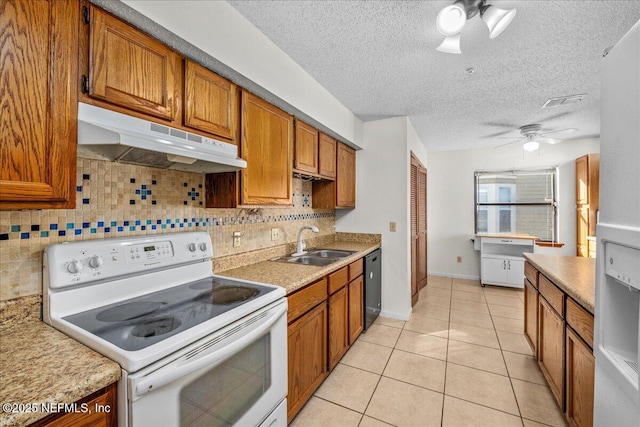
450,198
382,196
221,31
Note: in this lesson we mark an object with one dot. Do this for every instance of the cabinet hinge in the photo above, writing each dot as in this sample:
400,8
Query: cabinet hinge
85,14
85,84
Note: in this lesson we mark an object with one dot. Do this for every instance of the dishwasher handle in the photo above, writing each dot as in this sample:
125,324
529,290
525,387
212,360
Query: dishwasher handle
169,373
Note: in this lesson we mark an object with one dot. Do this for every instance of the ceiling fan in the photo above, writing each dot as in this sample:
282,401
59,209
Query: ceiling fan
532,137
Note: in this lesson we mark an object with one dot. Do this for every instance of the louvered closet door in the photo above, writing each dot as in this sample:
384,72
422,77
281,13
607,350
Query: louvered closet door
414,231
422,227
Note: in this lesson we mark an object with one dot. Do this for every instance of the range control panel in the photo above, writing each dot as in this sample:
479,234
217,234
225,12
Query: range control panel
73,263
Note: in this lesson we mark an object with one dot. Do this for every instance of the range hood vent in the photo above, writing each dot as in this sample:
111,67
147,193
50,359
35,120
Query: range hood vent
108,135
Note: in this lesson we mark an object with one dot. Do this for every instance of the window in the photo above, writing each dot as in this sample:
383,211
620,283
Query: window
517,202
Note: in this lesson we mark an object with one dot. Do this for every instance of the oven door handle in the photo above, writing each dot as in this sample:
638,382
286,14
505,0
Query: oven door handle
170,373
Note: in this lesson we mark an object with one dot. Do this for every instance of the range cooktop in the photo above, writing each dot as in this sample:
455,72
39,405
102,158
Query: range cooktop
139,322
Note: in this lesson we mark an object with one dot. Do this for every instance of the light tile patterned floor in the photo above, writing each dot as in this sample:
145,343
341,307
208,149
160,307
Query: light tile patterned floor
461,360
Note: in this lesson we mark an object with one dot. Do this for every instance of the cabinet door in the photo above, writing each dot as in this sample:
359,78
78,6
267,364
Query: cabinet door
346,177
582,228
531,315
580,381
327,156
338,326
211,102
582,180
515,272
267,146
132,70
494,270
551,349
306,148
307,350
356,312
39,111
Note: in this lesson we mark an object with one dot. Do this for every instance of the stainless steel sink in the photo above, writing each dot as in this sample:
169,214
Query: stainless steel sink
330,253
317,257
311,260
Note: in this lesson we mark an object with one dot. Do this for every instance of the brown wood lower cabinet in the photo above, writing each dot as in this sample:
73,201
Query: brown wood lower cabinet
564,346
338,326
307,349
105,399
324,318
580,381
551,349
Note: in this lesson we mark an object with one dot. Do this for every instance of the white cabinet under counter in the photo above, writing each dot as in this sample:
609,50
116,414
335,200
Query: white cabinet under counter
501,260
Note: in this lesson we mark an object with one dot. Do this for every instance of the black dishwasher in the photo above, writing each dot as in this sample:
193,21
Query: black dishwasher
372,287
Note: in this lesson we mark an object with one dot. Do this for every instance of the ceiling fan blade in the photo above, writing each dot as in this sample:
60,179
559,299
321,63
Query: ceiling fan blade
508,143
548,140
500,125
509,137
566,131
493,135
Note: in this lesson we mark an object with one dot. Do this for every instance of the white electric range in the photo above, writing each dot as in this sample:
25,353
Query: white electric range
195,348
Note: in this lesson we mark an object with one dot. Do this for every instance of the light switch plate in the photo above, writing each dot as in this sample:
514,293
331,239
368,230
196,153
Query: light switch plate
392,227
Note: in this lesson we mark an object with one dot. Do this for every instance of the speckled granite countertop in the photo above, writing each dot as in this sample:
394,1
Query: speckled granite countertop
574,275
38,364
294,276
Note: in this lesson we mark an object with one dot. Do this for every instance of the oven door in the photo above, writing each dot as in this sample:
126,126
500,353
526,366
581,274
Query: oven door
236,376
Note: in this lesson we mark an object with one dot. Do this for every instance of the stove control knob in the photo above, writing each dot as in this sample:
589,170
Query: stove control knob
95,261
203,247
74,267
192,247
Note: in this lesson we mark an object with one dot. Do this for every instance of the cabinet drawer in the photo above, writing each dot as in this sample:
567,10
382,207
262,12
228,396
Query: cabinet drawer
303,300
553,295
580,320
355,269
531,274
338,279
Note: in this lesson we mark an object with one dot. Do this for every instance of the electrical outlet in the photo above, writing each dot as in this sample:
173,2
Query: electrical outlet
275,234
392,227
236,239
459,259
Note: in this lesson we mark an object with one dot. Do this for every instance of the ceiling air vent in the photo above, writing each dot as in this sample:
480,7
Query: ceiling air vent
563,100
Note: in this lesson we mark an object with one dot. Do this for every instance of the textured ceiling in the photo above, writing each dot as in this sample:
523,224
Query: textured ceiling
379,59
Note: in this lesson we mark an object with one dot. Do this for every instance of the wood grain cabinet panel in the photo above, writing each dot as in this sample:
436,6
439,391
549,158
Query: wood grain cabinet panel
338,326
338,279
580,320
531,274
306,148
211,102
551,349
356,309
327,147
580,381
531,315
266,144
132,70
306,298
105,398
38,133
307,361
346,177
587,200
554,296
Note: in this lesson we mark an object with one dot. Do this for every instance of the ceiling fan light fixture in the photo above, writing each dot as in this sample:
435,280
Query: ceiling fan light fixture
497,19
450,44
451,20
531,145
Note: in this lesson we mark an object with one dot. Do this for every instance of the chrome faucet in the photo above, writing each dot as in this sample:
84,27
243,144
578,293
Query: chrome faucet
300,250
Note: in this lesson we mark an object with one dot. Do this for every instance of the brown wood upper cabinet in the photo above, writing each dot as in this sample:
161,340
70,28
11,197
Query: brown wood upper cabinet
327,147
132,70
210,102
346,177
306,149
39,112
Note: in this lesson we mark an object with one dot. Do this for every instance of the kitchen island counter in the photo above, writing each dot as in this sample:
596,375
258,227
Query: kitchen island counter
576,276
40,365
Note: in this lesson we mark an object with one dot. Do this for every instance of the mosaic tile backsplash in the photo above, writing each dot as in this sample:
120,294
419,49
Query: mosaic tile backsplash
118,200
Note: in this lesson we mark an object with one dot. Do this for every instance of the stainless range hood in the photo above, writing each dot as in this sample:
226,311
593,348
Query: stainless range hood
107,135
